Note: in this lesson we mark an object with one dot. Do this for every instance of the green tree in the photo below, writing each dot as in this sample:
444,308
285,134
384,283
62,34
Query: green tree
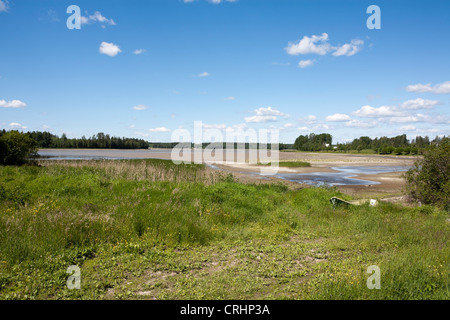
16,148
429,180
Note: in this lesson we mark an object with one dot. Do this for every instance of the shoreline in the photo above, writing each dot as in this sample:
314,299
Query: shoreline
390,183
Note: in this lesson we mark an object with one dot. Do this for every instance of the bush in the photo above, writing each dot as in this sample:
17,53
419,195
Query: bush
428,181
16,148
398,151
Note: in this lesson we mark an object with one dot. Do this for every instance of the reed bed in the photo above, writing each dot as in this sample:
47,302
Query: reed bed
143,170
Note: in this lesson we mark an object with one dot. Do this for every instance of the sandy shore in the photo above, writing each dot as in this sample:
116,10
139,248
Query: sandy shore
389,183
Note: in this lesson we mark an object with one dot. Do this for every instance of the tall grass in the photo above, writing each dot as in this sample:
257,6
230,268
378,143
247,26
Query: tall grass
76,212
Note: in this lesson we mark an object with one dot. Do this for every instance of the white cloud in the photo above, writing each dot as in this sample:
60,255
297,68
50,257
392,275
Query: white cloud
407,128
139,51
419,103
15,125
310,45
260,119
371,112
289,125
109,49
97,17
230,98
306,63
349,49
220,1
309,120
441,88
12,104
419,117
270,111
315,127
161,129
140,107
204,74
3,5
321,126
361,124
338,117
268,114
320,45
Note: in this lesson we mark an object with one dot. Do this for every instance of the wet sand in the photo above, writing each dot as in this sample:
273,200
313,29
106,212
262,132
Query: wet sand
390,183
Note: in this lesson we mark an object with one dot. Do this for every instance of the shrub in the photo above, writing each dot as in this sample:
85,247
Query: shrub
428,181
398,151
15,148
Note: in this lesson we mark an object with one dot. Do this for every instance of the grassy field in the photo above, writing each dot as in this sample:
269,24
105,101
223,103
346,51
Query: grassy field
288,164
153,230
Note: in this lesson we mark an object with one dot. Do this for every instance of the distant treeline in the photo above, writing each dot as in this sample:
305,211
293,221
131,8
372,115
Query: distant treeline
105,141
314,142
98,141
217,145
384,145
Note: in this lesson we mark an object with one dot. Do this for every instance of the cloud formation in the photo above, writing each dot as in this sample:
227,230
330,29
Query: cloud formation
139,51
97,17
306,63
419,103
3,5
16,126
140,107
338,117
349,49
12,104
319,44
160,129
268,114
441,88
201,75
310,45
380,112
109,49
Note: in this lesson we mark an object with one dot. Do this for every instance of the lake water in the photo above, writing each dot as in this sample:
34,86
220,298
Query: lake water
344,176
98,154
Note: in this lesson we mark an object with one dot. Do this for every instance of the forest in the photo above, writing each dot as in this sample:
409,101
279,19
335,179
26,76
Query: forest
384,145
99,141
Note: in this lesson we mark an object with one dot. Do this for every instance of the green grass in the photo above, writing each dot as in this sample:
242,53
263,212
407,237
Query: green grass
289,164
150,229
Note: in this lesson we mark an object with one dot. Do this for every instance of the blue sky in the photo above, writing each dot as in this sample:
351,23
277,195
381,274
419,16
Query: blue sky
146,68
